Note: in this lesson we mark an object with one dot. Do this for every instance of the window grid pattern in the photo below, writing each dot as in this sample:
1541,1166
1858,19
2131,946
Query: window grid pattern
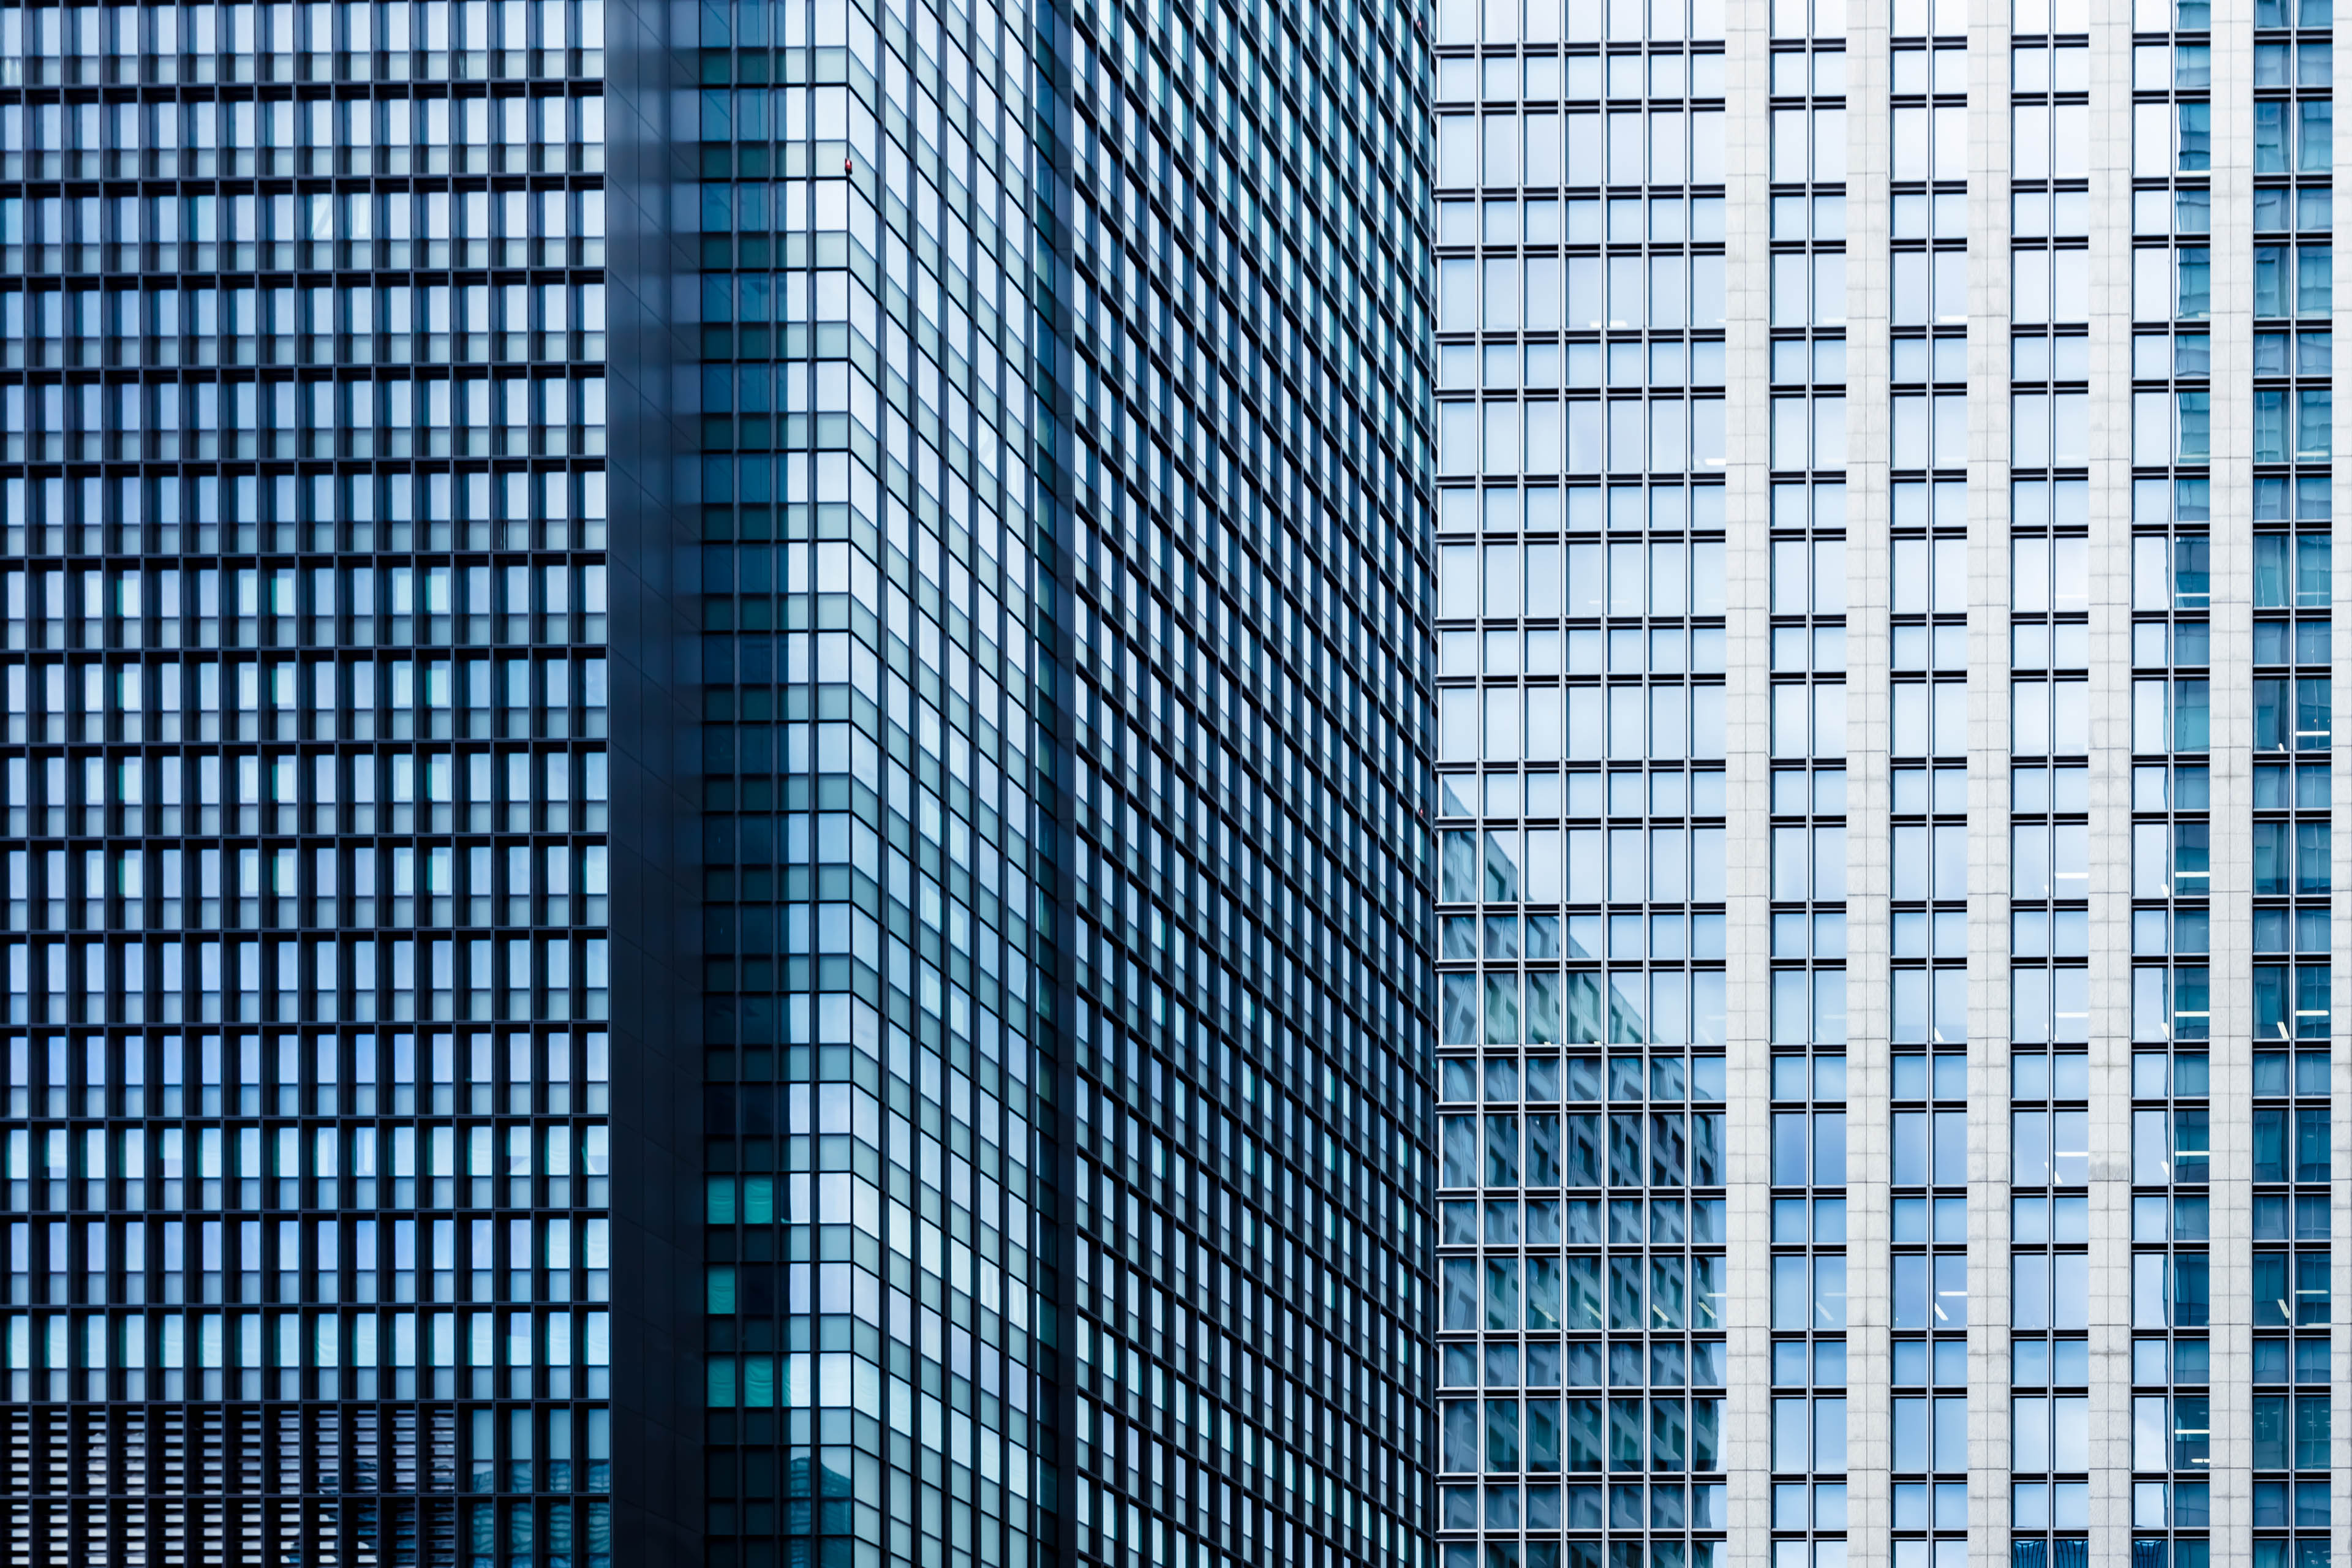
1928,628
1808,565
1928,371
2049,1304
1580,794
872,1079
2171,791
390,41
2172,508
1928,1311
1808,783
2171,733
304,767
1809,1309
2293,1424
1807,804
2172,1301
2294,155
2048,796
2292,832
1014,1362
1808,886
1247,737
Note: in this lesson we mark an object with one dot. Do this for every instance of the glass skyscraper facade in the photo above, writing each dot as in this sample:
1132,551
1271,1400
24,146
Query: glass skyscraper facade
1060,501
303,522
1884,582
1232,388
1535,783
1581,840
808,952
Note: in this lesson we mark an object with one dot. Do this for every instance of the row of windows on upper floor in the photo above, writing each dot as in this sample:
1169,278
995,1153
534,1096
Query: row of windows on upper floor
245,978
1590,866
255,897
1822,650
1664,1006
252,889
1658,147
2291,570
1550,21
2189,929
114,705
1630,1079
509,414
463,603
1540,78
2033,357
2177,1003
212,1074
90,33
1628,220
432,229
1619,578
283,350
132,538
1580,1363
2034,791
549,64
1549,293
2046,430
1620,650
2063,213
1667,508
2189,644
1669,937
2035,933
254,1167
1584,723
2045,862
513,792
2036,70
1929,719
394,417
358,511
1660,435
1622,577
510,133
1576,1150
1928,287
1660,792
1581,1508
1667,363
1664,1292
1795,19
2188,212
2306,63
1943,215
1810,145
1629,22
208,1354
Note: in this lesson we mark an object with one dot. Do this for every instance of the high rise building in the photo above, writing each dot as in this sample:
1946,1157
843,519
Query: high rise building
1061,510
1533,785
808,949
1585,1285
1885,698
304,524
